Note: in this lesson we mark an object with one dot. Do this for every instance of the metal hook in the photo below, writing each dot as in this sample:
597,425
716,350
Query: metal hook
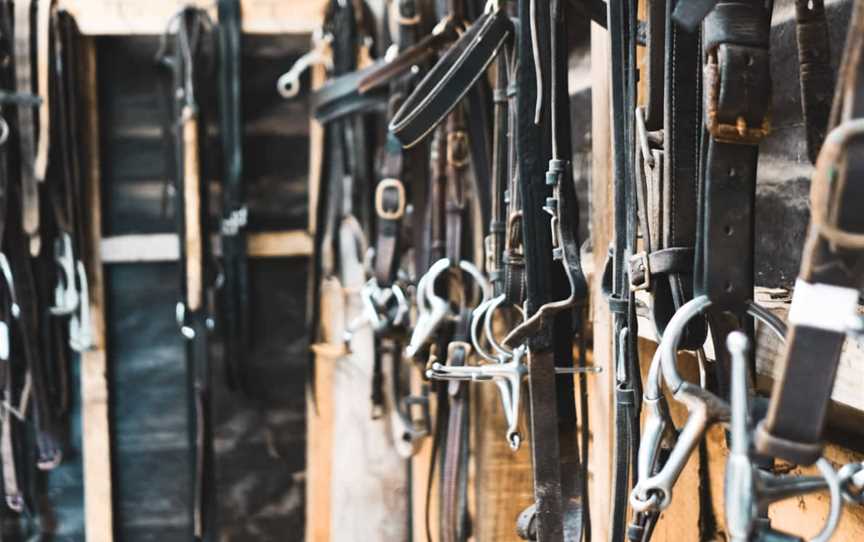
747,489
433,309
80,327
65,293
288,84
507,376
704,408
6,270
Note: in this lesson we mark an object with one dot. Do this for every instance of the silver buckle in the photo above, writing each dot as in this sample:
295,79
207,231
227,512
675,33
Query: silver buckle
640,259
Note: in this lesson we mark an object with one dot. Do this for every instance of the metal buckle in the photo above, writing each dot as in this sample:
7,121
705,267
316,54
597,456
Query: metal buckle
385,214
457,139
640,260
738,133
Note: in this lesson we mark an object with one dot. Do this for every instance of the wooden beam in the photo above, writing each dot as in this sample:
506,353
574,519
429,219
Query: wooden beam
95,423
164,247
602,386
129,17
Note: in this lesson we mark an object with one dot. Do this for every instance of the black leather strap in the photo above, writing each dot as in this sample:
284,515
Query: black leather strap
340,97
647,267
451,78
817,77
235,291
737,88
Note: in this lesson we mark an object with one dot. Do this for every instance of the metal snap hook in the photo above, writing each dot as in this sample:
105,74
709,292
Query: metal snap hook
6,270
65,293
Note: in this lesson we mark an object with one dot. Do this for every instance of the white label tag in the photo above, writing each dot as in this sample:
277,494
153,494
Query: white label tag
823,306
4,341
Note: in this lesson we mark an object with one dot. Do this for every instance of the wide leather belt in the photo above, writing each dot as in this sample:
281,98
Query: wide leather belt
451,78
737,97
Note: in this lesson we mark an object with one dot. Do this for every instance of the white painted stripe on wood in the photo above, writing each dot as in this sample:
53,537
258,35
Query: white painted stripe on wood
164,247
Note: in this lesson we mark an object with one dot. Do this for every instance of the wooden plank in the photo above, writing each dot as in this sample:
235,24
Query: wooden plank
95,423
420,462
504,478
319,408
279,244
601,387
129,17
164,247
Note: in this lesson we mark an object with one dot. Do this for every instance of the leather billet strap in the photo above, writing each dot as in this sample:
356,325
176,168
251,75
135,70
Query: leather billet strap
678,214
648,267
832,266
817,77
622,35
234,211
655,45
451,78
737,90
454,472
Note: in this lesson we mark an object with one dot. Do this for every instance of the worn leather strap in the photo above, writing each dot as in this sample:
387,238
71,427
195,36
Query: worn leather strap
655,47
451,78
622,30
680,171
234,212
737,88
832,267
817,77
645,268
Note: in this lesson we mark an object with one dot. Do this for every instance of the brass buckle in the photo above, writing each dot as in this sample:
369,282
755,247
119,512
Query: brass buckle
640,260
390,214
457,139
739,133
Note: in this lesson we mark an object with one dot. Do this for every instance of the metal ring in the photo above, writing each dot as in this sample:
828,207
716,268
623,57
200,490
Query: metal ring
836,506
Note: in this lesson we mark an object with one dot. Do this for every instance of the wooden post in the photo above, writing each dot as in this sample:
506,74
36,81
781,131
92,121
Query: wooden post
503,481
601,387
95,424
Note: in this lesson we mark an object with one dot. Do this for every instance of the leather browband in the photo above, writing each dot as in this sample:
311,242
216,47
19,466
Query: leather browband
340,96
384,73
451,78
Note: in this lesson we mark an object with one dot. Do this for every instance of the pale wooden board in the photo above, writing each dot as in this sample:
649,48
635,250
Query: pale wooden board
602,386
96,446
319,427
369,486
129,17
165,247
